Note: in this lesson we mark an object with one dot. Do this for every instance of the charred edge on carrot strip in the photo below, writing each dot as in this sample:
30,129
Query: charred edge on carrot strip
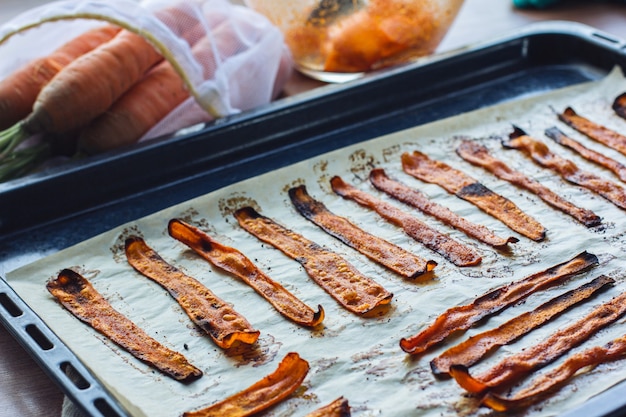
567,169
476,347
340,279
270,390
515,367
391,256
338,408
454,251
479,155
593,130
612,165
218,319
463,317
81,299
237,264
418,200
467,188
553,380
619,105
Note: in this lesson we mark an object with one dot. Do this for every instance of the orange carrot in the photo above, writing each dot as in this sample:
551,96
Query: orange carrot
19,90
89,85
151,99
130,117
182,19
82,90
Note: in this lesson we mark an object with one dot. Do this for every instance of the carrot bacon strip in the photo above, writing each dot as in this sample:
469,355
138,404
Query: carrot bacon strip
612,165
556,378
515,367
467,188
479,155
337,408
415,198
377,249
236,263
263,394
335,275
463,317
452,250
542,155
81,299
593,130
619,105
218,319
475,348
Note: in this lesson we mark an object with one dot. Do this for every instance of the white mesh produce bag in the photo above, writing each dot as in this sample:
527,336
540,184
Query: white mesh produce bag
242,62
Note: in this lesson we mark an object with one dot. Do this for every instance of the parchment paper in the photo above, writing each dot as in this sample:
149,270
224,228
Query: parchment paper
352,356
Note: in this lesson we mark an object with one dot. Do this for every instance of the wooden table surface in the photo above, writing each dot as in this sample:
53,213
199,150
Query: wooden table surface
26,391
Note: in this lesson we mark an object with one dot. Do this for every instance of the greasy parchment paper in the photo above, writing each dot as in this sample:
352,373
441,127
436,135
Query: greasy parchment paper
352,356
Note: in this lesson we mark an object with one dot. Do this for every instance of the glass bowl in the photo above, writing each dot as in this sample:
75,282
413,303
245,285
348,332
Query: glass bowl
339,40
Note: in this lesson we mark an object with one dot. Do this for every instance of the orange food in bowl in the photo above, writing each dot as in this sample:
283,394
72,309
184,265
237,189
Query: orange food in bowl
366,35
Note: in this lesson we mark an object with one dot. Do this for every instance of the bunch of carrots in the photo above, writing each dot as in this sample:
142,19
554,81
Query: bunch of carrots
103,89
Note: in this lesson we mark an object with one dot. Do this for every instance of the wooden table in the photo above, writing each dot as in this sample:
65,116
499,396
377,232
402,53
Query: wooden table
26,391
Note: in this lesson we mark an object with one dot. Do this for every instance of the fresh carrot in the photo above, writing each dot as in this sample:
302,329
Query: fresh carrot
88,86
19,90
182,19
84,89
151,99
140,108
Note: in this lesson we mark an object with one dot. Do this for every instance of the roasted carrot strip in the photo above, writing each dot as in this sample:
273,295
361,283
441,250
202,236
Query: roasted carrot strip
619,105
463,317
454,251
263,394
335,275
337,408
217,318
556,378
479,155
515,367
593,130
81,299
467,188
567,169
612,165
476,347
418,200
377,249
236,263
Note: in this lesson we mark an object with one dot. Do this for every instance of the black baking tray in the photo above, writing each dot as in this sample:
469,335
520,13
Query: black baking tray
54,209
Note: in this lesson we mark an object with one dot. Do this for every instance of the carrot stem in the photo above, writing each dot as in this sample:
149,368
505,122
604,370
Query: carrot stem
10,139
22,161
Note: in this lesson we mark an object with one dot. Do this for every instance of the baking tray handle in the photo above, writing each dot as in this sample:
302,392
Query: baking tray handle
53,356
